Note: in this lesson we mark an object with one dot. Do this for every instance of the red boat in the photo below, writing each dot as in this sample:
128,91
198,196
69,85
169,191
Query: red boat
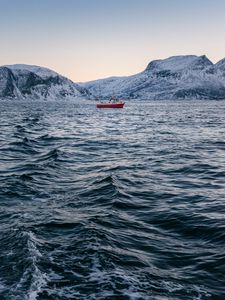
113,103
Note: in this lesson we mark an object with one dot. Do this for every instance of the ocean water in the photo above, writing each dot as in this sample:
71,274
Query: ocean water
112,204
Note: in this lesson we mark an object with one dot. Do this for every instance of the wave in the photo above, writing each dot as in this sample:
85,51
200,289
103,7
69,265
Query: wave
111,205
27,280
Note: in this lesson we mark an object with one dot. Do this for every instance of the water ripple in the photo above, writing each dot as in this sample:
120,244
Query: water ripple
108,204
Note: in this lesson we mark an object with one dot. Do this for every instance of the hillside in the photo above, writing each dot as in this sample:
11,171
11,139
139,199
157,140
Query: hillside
177,77
33,82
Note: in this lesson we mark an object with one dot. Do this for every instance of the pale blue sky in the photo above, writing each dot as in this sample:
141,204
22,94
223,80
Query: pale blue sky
90,39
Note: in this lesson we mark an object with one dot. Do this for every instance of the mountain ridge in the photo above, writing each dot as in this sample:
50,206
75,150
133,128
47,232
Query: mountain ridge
21,81
176,77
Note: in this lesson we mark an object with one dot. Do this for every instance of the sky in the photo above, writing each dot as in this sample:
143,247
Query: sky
91,39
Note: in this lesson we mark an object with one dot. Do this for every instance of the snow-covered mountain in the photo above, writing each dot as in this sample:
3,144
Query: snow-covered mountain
33,82
177,77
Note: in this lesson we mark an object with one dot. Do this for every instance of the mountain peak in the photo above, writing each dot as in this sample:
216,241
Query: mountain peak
179,63
40,71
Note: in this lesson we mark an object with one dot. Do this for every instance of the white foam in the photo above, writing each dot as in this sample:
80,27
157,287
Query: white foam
39,281
171,286
38,278
2,286
101,277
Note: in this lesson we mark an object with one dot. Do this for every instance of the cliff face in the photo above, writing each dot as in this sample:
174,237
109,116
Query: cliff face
177,77
24,81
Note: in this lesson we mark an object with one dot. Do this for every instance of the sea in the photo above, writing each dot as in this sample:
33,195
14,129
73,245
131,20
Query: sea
104,204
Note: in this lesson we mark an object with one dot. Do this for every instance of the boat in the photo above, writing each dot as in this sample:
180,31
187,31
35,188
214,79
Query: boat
113,103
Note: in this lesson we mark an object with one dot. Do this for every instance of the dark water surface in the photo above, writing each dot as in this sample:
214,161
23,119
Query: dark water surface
112,204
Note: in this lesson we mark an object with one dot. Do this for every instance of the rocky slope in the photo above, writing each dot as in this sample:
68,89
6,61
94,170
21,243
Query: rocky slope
177,77
33,82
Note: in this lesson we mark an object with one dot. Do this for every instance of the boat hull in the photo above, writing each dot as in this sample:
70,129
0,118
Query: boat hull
110,105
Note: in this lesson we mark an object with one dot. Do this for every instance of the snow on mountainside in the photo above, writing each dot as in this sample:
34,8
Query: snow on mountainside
177,77
33,82
221,67
40,71
179,63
